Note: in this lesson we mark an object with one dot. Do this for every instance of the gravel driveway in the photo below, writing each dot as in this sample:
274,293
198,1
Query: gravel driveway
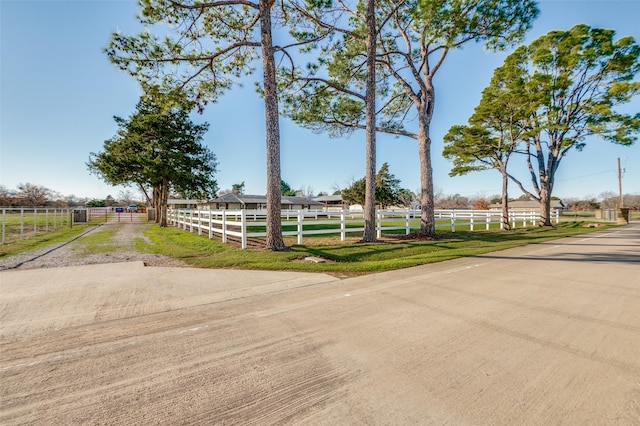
74,252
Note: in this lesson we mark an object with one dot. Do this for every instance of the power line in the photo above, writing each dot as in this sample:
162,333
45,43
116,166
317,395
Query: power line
586,176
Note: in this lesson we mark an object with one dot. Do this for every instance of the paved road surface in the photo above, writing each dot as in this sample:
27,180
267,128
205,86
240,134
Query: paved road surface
545,334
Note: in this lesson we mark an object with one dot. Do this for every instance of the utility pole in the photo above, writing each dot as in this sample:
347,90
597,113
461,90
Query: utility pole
620,184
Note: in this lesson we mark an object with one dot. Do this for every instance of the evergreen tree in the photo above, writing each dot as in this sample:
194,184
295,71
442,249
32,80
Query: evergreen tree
158,147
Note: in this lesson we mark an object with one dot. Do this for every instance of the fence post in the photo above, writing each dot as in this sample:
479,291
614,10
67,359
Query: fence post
224,226
35,221
210,223
342,226
453,220
243,227
379,224
488,218
300,216
21,223
4,219
473,213
408,222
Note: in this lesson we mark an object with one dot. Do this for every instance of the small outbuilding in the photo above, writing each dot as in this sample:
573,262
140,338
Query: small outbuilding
332,202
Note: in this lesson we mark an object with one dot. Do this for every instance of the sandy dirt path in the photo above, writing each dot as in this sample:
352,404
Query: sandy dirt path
545,334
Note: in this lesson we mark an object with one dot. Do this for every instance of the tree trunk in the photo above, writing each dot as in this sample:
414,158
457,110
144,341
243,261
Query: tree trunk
545,205
370,101
157,204
164,198
146,195
427,216
505,200
274,239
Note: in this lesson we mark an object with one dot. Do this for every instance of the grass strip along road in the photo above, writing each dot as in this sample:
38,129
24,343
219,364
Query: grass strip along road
350,257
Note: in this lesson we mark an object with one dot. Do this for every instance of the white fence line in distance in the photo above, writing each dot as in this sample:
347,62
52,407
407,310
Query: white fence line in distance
242,223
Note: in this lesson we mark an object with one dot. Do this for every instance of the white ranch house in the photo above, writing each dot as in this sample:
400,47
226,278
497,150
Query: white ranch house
232,201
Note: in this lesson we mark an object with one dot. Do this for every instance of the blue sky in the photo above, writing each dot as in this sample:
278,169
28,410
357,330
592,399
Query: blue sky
59,94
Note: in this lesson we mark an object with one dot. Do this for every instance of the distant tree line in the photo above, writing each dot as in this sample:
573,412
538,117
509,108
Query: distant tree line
33,195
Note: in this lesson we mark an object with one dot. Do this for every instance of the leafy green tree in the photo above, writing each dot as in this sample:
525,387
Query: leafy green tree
158,147
285,189
413,41
208,46
238,188
574,80
355,193
387,189
96,203
494,132
109,201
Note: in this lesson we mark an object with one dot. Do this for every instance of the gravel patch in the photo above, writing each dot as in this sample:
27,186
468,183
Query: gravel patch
73,253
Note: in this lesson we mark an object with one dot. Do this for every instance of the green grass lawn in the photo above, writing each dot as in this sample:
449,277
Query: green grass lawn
44,239
17,226
101,241
348,257
414,224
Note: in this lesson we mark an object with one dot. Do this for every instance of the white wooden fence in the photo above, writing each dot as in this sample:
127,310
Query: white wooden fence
242,224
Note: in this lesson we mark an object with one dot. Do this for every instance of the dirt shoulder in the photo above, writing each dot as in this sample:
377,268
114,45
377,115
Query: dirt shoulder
118,247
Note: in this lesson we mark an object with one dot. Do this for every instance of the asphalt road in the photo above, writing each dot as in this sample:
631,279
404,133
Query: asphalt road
545,334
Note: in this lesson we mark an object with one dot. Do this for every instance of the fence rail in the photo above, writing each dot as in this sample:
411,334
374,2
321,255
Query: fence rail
116,215
244,224
20,222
